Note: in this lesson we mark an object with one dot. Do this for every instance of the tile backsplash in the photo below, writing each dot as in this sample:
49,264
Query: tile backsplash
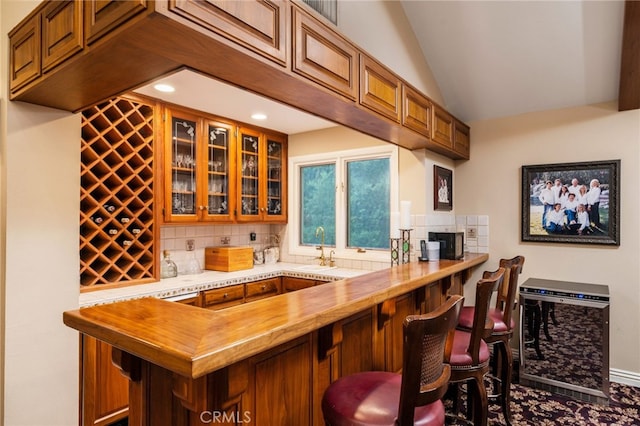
174,238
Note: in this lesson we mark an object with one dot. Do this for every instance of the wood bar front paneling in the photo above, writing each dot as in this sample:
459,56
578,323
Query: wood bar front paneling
267,362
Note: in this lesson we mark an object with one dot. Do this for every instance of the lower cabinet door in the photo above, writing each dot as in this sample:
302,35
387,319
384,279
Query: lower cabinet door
104,395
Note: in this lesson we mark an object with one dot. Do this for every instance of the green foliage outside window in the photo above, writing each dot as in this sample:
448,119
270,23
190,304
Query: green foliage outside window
368,204
318,203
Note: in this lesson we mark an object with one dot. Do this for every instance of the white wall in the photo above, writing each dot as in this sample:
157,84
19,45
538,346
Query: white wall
490,184
40,203
381,28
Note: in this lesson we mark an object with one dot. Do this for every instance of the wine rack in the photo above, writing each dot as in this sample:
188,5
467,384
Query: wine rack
117,205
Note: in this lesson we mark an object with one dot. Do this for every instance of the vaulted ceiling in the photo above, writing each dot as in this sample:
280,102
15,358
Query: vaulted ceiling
490,59
499,58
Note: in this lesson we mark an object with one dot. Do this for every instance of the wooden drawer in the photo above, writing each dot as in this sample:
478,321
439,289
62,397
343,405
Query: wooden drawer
265,288
225,297
295,284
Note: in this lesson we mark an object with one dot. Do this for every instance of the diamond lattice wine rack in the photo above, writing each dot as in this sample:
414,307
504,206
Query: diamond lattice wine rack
117,244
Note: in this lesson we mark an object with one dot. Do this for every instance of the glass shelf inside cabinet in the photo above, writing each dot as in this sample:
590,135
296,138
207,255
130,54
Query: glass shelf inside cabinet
183,165
274,179
218,170
249,171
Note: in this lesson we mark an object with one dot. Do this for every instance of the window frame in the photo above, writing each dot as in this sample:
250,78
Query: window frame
340,159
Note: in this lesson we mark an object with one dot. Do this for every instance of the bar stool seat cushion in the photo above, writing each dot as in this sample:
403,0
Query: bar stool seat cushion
372,398
496,315
460,356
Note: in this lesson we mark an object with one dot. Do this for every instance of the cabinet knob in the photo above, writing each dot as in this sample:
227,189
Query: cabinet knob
224,296
264,287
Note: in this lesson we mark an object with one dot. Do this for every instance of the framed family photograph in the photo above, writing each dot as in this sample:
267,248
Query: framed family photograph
572,203
442,188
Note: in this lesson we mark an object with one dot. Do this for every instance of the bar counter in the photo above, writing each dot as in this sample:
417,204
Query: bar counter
234,361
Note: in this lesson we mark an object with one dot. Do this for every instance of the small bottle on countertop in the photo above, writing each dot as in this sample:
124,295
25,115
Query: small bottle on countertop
168,268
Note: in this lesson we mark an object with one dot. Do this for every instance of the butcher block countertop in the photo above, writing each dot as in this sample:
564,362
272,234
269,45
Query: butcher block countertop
193,342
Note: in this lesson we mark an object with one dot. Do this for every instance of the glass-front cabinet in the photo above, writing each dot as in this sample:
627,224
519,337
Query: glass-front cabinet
182,157
220,151
276,203
262,173
198,166
216,173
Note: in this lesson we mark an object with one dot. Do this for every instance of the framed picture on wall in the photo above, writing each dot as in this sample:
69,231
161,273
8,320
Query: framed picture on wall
572,203
442,188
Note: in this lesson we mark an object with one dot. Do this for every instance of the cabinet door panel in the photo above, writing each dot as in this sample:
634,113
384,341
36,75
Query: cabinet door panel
259,26
275,178
181,163
357,339
323,56
462,139
61,32
281,391
25,53
379,89
249,191
219,183
102,16
416,111
105,391
442,127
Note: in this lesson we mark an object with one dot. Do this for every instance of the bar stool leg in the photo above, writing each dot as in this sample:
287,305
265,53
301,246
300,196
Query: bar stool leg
506,369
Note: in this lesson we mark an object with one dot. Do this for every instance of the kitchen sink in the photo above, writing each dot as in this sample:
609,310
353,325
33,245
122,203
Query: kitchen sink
314,268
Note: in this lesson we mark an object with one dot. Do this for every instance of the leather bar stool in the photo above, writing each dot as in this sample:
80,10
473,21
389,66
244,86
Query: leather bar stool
502,332
469,355
413,397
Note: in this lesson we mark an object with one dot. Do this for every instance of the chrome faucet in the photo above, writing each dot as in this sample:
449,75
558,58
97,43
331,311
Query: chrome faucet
320,231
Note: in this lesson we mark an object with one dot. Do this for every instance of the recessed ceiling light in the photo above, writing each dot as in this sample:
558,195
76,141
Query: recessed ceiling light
259,116
164,88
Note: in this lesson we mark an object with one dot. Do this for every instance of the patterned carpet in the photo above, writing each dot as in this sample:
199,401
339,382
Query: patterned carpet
541,408
537,407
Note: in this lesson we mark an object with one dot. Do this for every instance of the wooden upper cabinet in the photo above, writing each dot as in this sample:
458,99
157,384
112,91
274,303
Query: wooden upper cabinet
61,32
26,57
323,56
461,139
260,26
441,127
379,89
262,176
416,111
49,37
103,16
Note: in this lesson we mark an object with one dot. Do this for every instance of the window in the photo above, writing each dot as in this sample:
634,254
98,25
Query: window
347,193
326,8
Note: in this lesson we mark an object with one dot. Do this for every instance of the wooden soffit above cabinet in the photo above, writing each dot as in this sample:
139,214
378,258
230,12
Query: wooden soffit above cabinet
274,48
